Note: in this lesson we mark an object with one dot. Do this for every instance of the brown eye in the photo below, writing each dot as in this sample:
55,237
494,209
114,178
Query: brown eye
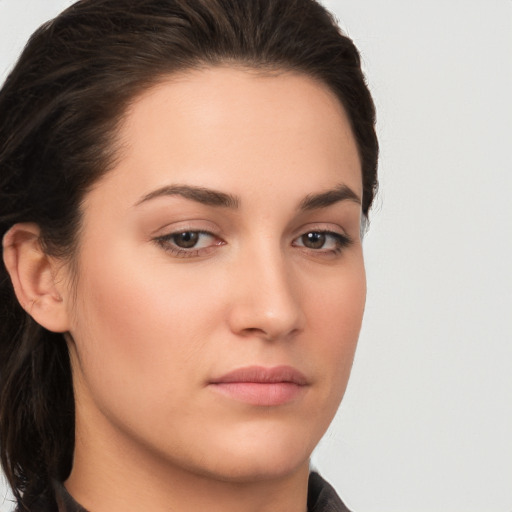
323,242
313,240
186,240
189,243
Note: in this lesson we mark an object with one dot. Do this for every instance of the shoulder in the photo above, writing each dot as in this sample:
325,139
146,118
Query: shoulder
41,505
322,497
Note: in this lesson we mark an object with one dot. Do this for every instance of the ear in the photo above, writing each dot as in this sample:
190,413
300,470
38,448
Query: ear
34,275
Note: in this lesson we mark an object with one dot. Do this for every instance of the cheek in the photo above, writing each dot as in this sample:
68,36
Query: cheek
139,323
335,316
336,303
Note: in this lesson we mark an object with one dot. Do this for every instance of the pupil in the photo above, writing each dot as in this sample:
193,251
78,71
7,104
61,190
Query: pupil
313,240
186,240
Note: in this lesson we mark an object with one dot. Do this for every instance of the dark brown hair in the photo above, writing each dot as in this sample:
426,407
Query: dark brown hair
59,112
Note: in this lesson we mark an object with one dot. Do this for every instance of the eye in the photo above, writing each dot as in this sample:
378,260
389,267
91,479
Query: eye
323,241
188,243
188,239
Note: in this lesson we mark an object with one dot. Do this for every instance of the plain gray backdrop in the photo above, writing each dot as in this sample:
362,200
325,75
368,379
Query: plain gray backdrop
426,424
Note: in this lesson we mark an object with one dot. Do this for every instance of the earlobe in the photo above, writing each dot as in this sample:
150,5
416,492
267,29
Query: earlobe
33,274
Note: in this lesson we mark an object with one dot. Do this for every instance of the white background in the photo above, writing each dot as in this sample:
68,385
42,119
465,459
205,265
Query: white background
426,424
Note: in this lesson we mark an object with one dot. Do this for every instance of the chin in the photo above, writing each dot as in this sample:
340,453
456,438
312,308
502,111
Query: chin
251,471
255,459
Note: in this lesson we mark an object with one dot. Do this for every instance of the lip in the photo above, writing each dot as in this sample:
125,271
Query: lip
262,386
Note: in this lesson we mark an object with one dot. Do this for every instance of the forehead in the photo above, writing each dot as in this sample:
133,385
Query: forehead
231,127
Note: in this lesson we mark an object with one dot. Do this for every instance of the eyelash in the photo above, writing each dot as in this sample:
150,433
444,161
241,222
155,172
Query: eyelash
167,242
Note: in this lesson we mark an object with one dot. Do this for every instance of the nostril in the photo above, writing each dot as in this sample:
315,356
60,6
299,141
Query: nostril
269,334
255,331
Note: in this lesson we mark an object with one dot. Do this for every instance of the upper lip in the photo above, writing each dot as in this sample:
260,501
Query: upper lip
263,375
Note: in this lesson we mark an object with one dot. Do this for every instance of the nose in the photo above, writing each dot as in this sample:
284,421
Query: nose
266,300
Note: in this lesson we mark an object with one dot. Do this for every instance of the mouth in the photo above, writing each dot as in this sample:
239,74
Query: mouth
261,386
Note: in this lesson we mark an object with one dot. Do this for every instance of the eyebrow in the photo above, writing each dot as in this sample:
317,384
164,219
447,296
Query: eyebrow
328,198
211,197
199,194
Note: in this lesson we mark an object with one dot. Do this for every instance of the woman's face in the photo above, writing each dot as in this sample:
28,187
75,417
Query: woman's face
220,284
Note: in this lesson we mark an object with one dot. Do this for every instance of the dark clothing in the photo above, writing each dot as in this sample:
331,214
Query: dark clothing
321,498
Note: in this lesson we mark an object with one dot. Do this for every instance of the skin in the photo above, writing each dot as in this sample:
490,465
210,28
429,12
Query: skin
149,327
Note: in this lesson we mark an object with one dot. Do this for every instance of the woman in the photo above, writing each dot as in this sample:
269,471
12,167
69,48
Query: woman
183,186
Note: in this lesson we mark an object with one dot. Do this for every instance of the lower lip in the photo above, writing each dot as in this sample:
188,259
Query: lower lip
263,394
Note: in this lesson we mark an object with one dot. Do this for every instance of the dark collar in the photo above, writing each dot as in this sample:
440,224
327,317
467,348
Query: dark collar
322,497
65,502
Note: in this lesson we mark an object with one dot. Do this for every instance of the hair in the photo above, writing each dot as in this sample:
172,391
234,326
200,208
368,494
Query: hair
60,110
